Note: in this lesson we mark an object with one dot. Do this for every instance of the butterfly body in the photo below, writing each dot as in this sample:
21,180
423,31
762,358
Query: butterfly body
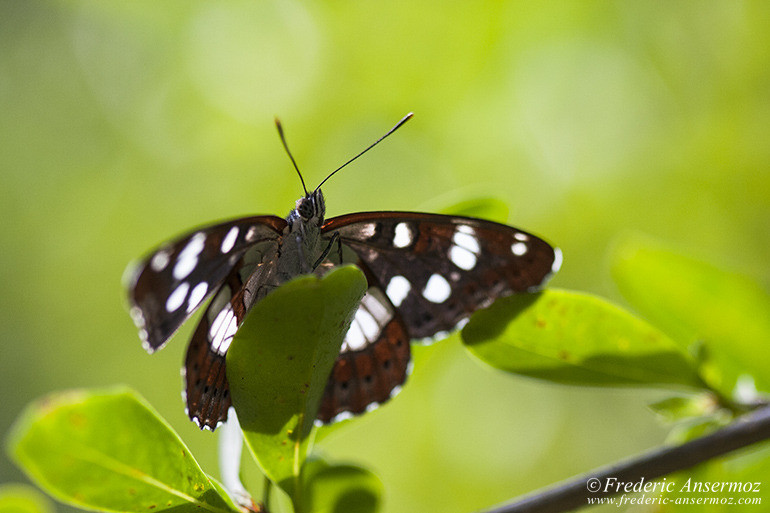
426,273
296,252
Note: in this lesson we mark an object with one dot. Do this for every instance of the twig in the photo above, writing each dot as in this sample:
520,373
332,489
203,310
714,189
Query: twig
574,493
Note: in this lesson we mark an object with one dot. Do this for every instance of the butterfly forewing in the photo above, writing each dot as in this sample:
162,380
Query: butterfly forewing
174,280
437,270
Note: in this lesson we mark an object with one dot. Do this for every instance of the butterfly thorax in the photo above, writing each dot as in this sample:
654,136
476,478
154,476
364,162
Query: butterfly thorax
297,252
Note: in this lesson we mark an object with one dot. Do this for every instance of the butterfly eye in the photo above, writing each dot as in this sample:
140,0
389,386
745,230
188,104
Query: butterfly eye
305,208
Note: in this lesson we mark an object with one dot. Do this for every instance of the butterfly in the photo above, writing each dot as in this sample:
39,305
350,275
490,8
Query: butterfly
426,274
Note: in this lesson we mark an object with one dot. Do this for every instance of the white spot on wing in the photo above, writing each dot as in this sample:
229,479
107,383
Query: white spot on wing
354,339
557,259
378,306
188,257
523,237
197,295
229,241
223,330
462,258
195,245
218,320
397,290
137,316
372,315
368,230
437,290
519,248
345,415
368,324
251,234
184,267
159,260
403,236
177,297
465,237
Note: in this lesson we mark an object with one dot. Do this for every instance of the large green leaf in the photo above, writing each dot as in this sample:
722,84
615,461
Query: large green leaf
692,300
575,338
340,488
492,209
109,450
280,361
17,498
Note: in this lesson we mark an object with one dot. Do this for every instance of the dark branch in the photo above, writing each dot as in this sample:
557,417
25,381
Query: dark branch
574,493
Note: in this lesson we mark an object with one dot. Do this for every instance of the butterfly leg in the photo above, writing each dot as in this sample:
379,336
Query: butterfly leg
334,239
339,248
301,253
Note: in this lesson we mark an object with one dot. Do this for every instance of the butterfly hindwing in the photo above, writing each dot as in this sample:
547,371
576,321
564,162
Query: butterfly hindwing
206,389
437,269
373,362
166,287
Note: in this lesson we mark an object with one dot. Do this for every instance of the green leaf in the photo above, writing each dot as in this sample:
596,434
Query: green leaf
492,209
339,488
109,450
575,338
279,363
682,407
696,427
690,300
18,498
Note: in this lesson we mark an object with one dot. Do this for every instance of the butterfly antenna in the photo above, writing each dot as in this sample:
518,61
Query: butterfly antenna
375,143
286,147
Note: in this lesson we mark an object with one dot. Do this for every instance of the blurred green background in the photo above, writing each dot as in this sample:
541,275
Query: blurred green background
122,125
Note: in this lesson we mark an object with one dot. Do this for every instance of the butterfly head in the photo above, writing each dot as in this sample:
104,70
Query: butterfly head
310,208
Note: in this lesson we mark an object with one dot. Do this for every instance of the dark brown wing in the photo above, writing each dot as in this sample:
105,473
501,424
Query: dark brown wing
206,388
167,286
373,362
438,269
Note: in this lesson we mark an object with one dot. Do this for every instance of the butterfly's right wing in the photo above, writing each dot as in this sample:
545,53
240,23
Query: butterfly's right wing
167,286
438,269
374,360
426,273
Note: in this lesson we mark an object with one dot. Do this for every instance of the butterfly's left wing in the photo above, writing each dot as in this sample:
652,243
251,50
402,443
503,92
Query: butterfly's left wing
207,392
436,270
167,286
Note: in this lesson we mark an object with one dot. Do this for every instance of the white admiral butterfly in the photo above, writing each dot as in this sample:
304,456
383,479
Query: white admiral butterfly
426,273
